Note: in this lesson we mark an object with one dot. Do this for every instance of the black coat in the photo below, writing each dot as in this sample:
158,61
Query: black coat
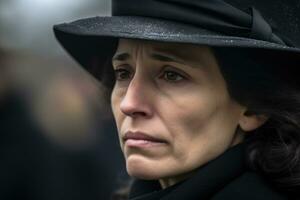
226,177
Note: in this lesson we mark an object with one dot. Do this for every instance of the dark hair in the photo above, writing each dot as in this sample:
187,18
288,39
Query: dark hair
266,82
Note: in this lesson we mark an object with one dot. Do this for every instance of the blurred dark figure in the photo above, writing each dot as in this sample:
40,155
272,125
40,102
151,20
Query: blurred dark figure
36,168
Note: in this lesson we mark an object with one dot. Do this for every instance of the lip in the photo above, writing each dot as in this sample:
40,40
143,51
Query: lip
139,139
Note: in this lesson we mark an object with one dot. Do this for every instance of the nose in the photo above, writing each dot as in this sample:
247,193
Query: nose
135,102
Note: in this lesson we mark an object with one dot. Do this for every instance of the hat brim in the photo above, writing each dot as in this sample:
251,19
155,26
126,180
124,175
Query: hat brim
97,36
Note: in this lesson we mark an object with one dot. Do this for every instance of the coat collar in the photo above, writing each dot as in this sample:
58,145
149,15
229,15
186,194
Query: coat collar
208,180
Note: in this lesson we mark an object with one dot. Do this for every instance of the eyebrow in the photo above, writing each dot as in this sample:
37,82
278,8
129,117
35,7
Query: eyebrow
121,57
156,56
166,58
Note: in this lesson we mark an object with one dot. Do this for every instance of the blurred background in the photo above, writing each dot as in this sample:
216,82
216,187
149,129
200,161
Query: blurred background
57,136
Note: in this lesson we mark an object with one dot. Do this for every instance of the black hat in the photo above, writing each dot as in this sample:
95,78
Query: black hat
273,25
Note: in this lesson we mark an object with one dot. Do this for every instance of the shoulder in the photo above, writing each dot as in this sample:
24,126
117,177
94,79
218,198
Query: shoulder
249,186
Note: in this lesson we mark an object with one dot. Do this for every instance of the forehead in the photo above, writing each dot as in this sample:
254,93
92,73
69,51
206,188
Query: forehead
189,52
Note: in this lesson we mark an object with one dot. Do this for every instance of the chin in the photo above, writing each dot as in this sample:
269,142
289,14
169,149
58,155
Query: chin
142,169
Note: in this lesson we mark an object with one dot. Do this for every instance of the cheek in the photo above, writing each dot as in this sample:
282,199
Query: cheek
189,112
114,100
116,97
200,127
185,118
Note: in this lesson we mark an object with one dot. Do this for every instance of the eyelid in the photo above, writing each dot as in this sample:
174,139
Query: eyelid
177,70
123,66
118,72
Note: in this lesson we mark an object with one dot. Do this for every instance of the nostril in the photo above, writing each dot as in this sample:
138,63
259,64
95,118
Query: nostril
136,114
135,107
132,109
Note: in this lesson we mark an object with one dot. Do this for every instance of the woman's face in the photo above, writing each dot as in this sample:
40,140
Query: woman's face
172,108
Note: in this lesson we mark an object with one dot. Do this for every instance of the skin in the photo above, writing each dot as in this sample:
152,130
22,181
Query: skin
177,93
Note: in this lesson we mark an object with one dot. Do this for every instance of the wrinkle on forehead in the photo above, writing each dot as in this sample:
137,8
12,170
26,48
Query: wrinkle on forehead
179,49
189,52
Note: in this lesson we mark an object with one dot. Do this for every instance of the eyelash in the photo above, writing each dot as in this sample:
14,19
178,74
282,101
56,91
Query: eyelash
122,71
165,72
178,76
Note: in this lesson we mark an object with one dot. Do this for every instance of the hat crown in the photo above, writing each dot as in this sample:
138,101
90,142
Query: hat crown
282,15
241,18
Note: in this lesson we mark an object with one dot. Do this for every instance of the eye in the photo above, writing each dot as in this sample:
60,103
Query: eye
172,76
122,74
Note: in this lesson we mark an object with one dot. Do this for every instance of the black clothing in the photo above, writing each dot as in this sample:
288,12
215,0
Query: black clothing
226,177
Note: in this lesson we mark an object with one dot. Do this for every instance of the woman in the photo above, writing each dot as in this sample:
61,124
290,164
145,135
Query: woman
204,95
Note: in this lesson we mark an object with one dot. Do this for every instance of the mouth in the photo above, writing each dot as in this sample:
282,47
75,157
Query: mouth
139,139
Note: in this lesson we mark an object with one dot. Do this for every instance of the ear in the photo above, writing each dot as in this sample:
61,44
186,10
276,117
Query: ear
251,122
